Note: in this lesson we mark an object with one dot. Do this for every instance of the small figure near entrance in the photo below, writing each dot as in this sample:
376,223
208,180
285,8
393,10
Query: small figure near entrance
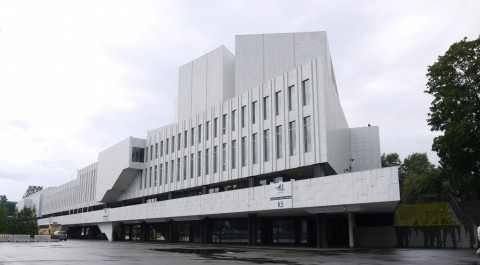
478,234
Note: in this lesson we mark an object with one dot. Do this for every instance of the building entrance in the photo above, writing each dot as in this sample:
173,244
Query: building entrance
187,231
337,230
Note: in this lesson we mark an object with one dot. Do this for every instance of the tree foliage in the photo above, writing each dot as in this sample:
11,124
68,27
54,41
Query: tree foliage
3,219
390,160
454,82
416,163
423,182
24,222
31,190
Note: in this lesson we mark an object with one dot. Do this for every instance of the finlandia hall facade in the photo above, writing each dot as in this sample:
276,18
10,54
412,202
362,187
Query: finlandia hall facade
260,154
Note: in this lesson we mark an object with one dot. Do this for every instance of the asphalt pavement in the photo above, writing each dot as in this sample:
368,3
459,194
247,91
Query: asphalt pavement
123,253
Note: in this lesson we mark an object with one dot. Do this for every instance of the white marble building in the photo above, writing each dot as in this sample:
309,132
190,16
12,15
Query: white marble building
260,153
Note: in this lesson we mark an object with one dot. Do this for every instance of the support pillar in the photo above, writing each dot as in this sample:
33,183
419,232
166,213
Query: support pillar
321,221
130,232
298,231
191,231
351,225
144,232
122,232
252,229
169,231
205,232
266,228
107,229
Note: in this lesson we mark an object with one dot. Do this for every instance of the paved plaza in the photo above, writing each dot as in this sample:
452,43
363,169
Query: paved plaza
120,253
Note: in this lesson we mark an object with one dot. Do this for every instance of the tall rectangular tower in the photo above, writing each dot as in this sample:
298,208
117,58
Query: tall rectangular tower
205,82
261,57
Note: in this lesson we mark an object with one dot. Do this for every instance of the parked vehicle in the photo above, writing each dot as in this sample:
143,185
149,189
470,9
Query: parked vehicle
62,235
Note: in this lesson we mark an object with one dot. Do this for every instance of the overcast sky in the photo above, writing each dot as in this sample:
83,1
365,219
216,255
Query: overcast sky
78,76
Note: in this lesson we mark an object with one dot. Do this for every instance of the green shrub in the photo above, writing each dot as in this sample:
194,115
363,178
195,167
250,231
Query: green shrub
428,214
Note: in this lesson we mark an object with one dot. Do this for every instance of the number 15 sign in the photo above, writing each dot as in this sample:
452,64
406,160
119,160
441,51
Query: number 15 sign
280,195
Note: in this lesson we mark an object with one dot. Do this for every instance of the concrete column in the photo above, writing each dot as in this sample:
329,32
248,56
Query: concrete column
205,224
122,232
252,229
107,229
144,233
191,232
351,225
169,232
298,231
267,232
321,221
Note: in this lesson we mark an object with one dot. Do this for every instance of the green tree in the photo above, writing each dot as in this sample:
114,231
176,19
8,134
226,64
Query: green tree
3,214
423,182
31,190
10,208
454,82
390,160
416,163
24,222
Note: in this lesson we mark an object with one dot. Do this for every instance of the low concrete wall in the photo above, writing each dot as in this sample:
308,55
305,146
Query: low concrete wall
21,238
415,236
42,238
374,237
436,237
6,238
24,238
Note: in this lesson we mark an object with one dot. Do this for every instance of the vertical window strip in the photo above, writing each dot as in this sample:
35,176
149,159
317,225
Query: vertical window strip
233,120
160,176
266,145
306,92
178,169
291,98
278,141
199,133
243,116
191,165
172,169
254,148
207,160
207,131
155,176
234,154
292,138
215,159
307,134
278,102
185,161
244,151
266,107
224,124
224,157
254,112
199,164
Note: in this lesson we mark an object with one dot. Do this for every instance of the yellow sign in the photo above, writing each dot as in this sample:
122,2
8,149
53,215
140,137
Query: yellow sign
54,227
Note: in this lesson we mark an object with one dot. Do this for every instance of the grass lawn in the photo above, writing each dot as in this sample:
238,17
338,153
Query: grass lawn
429,214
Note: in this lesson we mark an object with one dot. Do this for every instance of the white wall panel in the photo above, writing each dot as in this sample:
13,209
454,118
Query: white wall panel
324,194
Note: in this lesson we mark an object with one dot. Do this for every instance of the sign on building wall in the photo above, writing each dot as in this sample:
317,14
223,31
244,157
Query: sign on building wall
280,195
